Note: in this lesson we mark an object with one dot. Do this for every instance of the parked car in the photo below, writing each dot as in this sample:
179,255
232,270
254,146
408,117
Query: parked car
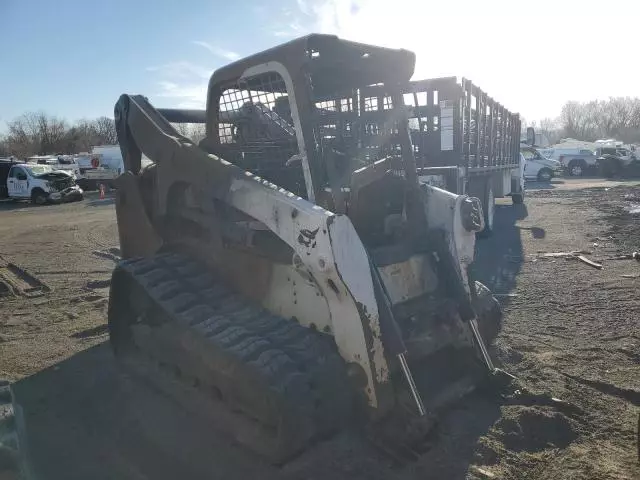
538,167
41,184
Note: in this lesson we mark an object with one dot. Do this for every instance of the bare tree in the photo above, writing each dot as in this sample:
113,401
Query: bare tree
4,148
181,128
198,132
36,133
634,120
105,130
618,117
194,131
570,117
550,128
23,138
51,131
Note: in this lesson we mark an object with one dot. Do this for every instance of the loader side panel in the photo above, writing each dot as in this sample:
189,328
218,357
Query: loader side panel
192,190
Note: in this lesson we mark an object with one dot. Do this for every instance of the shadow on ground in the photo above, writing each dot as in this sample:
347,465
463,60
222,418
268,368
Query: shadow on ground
499,258
83,418
12,205
9,205
537,185
101,202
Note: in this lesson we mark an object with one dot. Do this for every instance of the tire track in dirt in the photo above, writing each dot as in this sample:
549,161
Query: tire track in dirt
570,331
632,396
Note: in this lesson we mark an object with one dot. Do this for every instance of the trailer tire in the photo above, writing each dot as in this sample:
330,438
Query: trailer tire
517,198
488,312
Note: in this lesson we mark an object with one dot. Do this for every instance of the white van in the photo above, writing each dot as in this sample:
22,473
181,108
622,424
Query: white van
101,166
110,157
41,184
539,167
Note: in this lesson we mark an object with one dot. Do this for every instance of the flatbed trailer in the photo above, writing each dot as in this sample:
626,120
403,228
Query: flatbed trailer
464,140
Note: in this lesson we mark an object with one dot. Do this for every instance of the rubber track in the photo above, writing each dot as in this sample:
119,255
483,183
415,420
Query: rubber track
301,366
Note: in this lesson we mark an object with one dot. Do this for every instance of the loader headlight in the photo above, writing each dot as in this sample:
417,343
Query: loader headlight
471,213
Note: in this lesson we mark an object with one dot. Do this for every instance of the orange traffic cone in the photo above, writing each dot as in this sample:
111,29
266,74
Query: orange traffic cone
102,191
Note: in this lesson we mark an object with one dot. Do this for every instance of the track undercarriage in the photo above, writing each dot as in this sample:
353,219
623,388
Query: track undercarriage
274,384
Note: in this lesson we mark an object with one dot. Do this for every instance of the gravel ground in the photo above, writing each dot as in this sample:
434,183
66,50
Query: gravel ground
66,247
569,329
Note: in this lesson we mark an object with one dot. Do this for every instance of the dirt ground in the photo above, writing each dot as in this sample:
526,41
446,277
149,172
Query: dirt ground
569,329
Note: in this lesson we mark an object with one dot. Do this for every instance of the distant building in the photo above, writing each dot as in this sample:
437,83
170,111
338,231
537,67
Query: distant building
541,139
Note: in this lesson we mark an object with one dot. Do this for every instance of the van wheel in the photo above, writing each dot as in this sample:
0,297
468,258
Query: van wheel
545,175
38,196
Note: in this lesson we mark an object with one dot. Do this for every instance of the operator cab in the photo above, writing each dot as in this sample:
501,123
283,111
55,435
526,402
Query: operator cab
298,116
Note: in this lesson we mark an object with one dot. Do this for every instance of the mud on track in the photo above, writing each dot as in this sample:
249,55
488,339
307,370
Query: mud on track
569,329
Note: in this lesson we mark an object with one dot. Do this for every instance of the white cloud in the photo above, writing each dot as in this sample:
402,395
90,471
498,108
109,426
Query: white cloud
181,84
304,7
183,95
283,33
181,69
220,52
532,57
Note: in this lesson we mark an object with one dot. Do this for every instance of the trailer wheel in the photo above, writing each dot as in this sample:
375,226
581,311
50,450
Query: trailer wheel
517,198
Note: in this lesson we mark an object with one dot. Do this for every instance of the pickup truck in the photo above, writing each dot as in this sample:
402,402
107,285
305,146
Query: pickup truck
578,163
41,184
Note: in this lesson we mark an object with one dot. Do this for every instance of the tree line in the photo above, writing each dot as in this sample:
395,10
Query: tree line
617,117
37,133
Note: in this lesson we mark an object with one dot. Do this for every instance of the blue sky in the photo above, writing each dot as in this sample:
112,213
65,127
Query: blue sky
73,58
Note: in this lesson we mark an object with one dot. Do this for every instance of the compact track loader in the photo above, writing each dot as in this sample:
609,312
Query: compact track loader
291,273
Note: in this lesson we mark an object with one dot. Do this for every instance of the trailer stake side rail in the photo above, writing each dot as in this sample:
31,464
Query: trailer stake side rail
452,124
